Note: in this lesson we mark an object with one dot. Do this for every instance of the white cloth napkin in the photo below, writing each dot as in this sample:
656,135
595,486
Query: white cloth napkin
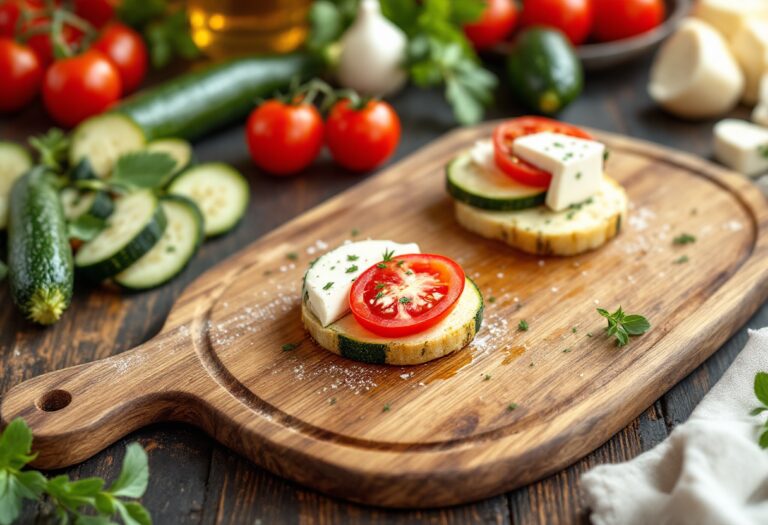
709,471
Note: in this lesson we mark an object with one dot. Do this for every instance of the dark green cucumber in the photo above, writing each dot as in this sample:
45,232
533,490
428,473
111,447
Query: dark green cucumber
544,71
488,190
199,102
179,243
76,203
39,254
136,224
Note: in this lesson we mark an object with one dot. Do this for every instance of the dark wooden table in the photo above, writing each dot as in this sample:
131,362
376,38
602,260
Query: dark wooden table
195,480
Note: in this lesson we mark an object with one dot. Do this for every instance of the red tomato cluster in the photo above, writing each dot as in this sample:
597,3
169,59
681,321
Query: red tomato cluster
604,20
285,138
86,81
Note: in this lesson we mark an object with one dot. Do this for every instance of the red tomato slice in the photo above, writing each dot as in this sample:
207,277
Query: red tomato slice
524,172
406,294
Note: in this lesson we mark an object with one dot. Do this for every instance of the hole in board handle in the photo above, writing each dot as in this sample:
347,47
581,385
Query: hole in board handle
54,400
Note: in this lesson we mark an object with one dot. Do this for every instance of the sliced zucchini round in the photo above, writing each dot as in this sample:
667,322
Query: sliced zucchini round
349,339
103,139
76,203
179,243
14,162
135,226
179,150
220,192
488,190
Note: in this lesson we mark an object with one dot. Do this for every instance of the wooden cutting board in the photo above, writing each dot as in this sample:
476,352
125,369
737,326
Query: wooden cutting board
447,434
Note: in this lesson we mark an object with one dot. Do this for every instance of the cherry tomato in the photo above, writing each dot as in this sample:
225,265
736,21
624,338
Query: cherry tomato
504,136
616,20
20,75
96,12
284,138
496,22
127,51
9,15
41,43
407,294
572,17
361,139
79,87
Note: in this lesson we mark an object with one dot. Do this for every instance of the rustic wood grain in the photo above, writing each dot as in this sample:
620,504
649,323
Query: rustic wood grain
449,437
613,100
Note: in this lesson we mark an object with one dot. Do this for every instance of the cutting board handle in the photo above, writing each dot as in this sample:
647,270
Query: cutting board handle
75,412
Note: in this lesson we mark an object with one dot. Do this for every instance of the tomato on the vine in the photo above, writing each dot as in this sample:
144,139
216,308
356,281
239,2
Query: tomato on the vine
96,12
9,15
504,137
572,17
406,294
20,75
616,20
41,43
127,51
284,138
361,139
79,87
495,24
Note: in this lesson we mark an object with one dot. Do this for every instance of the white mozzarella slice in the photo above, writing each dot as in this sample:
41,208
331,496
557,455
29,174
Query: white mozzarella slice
742,146
727,15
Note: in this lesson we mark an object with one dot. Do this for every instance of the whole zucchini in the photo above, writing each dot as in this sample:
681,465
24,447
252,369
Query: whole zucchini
39,255
202,101
544,71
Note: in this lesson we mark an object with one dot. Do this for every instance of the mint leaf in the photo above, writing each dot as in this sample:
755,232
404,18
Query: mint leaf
16,445
133,513
761,387
622,326
52,148
635,324
143,169
14,489
86,227
134,476
757,411
764,440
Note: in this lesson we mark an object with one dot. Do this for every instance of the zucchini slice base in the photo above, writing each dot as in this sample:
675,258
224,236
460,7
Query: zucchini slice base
103,139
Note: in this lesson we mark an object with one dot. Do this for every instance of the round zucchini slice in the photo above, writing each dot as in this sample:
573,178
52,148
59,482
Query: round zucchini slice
104,139
179,150
77,203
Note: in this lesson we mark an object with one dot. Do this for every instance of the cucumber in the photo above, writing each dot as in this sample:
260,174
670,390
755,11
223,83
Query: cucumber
135,226
14,162
202,101
76,203
490,190
102,140
181,240
347,338
220,192
39,256
179,150
544,71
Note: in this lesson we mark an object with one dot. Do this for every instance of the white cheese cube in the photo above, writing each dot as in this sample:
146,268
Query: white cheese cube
760,114
329,280
576,165
750,47
742,146
728,15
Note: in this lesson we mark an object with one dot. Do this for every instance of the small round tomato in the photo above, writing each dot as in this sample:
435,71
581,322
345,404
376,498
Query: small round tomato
284,138
20,75
572,17
79,87
504,136
406,294
127,51
616,20
96,12
41,43
9,15
496,22
361,139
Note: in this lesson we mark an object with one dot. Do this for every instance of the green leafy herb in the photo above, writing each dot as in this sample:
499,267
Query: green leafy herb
379,286
381,266
355,232
487,377
86,227
387,407
352,257
522,325
621,325
401,262
84,501
574,330
491,299
405,300
566,350
512,406
761,392
379,295
351,269
287,347
328,285
683,239
142,169
52,148
388,255
332,401
681,260
293,256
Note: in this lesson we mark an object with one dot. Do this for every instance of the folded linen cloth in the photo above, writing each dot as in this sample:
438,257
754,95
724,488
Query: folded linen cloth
709,471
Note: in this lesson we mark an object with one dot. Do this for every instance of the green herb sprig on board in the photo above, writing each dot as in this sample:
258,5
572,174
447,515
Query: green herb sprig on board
622,326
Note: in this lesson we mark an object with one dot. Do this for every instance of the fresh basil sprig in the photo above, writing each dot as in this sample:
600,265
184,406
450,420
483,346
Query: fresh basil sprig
70,499
761,392
622,326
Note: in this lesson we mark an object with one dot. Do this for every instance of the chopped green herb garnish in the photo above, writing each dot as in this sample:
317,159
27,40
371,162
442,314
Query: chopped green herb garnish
332,401
381,266
379,286
292,256
589,334
170,249
400,262
388,255
287,347
574,329
522,325
351,269
387,407
313,261
512,406
352,257
684,238
408,272
681,260
328,285
622,325
558,145
379,295
491,299
355,232
405,300
570,215
578,176
487,377
566,351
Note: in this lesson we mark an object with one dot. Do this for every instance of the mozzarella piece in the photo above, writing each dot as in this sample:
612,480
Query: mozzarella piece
329,280
483,155
750,46
742,146
576,165
695,75
760,114
727,15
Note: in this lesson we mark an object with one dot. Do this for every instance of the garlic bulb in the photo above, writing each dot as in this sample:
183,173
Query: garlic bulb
372,53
